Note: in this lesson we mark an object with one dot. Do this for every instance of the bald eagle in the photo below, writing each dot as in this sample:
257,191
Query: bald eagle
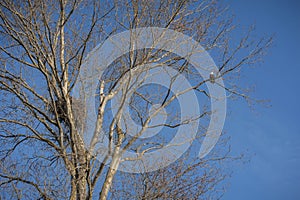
212,77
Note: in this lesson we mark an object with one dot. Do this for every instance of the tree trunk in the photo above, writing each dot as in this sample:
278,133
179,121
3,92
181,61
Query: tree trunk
110,174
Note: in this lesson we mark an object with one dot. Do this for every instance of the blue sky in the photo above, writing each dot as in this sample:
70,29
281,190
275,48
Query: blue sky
270,135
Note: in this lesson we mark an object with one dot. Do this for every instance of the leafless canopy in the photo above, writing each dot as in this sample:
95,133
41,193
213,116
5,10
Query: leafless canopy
42,49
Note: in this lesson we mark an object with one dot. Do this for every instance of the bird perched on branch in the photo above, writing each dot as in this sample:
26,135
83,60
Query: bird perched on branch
212,77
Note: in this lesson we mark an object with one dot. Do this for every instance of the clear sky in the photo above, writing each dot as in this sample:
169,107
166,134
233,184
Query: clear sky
270,135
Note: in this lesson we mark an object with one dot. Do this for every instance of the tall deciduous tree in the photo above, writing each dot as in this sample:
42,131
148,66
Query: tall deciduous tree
43,154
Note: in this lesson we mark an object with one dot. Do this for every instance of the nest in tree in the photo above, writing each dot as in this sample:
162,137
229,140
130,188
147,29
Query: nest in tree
78,111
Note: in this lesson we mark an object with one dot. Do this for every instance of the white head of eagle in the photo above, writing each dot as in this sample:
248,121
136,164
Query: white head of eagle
212,77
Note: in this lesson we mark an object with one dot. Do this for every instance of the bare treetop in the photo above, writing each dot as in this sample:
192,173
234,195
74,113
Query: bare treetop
76,107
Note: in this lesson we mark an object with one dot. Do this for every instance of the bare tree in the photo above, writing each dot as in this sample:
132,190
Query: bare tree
42,125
